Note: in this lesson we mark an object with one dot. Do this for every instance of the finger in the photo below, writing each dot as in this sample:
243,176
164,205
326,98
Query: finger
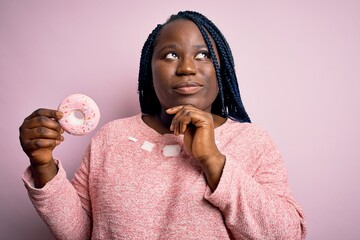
171,111
175,109
195,117
176,124
42,121
182,119
33,145
42,132
33,139
50,113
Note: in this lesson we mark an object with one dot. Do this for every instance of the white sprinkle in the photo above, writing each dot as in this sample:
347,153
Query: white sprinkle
132,139
147,146
171,150
217,142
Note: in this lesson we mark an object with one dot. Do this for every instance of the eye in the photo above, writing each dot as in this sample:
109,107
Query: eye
171,55
202,55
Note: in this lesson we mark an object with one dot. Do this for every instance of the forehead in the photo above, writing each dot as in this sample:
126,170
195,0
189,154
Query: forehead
179,30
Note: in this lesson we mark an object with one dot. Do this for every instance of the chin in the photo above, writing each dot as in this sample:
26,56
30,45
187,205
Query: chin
195,104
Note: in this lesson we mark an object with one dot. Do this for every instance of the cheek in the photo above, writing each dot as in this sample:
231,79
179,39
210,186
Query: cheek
158,87
160,80
214,89
213,81
162,74
160,71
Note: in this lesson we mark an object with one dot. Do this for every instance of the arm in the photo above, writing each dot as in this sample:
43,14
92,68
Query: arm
255,199
53,196
39,134
199,139
59,205
255,204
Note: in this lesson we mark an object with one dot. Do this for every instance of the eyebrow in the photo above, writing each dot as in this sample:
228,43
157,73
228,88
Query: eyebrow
174,46
200,46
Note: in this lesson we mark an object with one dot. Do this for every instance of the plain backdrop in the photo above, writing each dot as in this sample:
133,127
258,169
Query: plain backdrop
298,65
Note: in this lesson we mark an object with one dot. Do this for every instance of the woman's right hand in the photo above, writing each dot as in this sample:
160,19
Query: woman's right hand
40,133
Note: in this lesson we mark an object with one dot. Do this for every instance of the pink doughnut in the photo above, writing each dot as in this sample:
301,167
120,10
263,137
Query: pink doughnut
81,114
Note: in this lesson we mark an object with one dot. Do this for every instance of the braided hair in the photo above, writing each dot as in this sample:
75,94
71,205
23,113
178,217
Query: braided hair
228,101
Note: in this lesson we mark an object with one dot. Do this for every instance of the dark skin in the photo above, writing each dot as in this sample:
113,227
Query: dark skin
185,83
40,133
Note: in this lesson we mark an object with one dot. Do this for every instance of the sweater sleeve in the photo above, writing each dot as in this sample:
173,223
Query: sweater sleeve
60,206
259,204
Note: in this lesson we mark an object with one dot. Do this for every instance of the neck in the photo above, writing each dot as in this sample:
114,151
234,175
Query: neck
161,122
165,119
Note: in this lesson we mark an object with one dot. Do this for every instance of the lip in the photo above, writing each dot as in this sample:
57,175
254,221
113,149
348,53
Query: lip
187,88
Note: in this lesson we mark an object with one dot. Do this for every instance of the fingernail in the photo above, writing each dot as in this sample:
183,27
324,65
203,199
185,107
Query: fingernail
59,114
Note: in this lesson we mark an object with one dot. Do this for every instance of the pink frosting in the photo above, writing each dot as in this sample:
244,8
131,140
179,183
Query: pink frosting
81,114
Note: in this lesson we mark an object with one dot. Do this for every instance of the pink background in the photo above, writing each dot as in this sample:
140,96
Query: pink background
298,63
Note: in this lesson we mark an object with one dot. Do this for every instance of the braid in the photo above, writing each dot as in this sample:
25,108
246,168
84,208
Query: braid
149,102
228,102
215,62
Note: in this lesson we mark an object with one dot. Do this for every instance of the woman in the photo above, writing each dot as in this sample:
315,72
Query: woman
191,166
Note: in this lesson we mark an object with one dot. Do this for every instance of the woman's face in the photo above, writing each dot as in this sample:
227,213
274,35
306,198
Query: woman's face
182,71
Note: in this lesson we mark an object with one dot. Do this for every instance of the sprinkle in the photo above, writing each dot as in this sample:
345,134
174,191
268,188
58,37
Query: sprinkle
147,146
132,139
171,150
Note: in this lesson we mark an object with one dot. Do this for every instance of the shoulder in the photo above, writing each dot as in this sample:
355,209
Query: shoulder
246,130
249,143
241,136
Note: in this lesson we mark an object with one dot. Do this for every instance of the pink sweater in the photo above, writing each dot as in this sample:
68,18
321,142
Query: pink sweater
125,191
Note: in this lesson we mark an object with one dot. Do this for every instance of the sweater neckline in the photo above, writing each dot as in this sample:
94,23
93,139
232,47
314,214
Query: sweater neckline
153,133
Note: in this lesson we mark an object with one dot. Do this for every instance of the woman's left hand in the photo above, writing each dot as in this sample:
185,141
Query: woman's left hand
199,139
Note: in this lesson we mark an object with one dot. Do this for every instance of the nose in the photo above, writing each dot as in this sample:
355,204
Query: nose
186,67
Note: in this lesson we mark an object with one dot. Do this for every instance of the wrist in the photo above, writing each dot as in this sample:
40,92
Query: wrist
43,167
43,173
213,168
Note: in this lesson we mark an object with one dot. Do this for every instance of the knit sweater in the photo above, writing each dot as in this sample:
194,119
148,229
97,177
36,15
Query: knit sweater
134,183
